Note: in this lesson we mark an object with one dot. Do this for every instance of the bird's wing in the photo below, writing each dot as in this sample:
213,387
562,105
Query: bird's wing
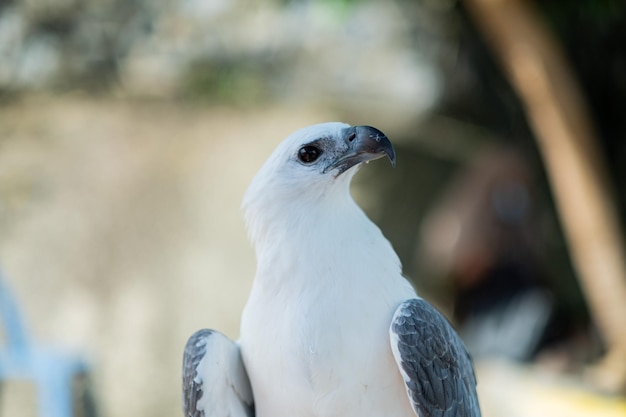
433,361
215,382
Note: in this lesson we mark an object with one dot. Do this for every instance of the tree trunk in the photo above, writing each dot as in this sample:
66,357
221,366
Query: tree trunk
538,71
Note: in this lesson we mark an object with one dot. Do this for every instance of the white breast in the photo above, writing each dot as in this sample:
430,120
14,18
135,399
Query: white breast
322,349
315,330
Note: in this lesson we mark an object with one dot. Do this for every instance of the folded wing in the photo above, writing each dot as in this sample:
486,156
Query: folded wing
215,382
433,361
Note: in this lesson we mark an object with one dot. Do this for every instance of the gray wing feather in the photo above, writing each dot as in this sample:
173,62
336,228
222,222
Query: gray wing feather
434,362
195,349
215,383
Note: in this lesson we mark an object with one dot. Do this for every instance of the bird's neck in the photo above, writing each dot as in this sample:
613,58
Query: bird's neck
310,241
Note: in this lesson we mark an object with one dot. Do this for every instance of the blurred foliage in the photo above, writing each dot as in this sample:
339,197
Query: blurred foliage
232,82
563,15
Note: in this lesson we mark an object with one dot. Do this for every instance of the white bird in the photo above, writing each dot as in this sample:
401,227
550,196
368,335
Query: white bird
331,327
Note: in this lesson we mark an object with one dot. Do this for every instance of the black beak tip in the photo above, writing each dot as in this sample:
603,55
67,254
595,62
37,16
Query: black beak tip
392,156
382,143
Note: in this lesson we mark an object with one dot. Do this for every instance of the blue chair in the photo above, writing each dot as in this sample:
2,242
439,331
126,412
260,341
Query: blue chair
52,371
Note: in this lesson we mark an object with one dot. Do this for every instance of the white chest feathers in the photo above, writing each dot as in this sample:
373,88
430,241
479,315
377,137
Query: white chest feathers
316,348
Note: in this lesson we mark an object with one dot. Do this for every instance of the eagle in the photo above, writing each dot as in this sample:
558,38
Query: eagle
331,326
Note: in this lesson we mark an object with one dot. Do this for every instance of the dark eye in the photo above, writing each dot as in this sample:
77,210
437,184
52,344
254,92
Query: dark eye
309,153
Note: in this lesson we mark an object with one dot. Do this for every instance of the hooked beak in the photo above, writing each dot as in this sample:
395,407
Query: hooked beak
365,143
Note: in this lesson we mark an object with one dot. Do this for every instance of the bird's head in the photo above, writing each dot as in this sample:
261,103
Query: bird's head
312,167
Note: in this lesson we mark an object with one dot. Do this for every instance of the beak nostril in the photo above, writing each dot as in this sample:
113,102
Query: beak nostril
352,137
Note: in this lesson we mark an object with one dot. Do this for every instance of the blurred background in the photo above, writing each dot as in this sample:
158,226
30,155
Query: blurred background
129,130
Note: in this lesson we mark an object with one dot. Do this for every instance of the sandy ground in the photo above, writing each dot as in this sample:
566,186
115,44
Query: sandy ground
121,234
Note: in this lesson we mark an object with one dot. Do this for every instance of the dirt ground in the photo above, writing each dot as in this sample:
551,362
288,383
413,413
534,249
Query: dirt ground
121,233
